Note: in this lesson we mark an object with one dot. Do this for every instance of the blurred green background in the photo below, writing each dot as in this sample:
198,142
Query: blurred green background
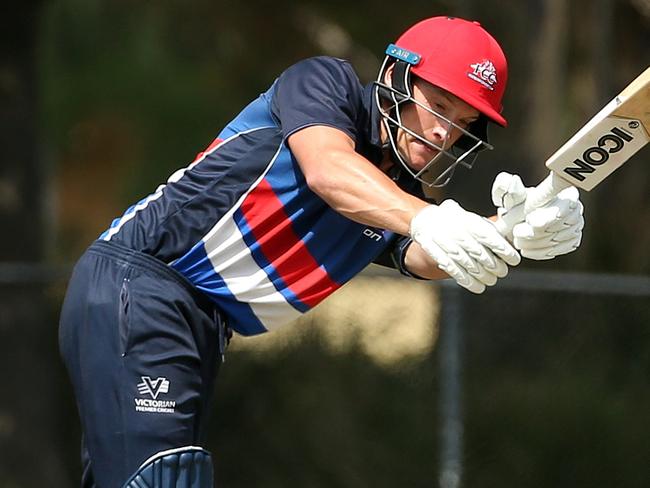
100,101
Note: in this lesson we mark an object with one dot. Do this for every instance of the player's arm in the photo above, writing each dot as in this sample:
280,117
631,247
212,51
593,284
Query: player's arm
349,183
459,243
356,188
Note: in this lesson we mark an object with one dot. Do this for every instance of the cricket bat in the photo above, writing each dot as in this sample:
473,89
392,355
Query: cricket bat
603,144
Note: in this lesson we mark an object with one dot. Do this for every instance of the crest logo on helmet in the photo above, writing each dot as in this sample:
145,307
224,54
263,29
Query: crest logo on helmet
485,73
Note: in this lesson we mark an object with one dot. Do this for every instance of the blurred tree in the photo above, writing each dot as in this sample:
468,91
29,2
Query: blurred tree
547,79
29,417
22,175
614,44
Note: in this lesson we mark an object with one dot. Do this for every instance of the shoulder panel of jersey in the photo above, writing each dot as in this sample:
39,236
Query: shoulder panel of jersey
320,91
241,224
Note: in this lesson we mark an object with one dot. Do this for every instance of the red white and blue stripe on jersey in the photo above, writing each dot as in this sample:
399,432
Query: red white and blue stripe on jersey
241,224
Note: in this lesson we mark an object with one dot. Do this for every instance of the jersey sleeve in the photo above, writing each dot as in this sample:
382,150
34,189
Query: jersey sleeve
318,91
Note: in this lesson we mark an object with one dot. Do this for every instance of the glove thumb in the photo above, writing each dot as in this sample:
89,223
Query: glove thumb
508,191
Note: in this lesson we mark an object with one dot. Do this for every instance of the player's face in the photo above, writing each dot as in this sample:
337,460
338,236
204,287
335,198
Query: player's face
437,129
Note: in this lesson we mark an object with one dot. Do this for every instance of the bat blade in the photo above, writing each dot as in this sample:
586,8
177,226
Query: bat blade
604,144
609,139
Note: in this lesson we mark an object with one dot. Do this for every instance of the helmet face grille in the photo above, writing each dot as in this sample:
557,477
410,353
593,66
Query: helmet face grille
390,100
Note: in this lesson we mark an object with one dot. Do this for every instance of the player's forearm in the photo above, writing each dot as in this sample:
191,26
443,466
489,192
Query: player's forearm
355,188
350,183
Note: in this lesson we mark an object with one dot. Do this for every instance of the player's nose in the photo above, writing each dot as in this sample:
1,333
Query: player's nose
440,132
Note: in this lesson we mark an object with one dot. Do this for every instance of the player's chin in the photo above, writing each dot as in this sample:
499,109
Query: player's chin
420,155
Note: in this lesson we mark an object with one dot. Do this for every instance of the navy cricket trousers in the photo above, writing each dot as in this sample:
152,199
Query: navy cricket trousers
142,348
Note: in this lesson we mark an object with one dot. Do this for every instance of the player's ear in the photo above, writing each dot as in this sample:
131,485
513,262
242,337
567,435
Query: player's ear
388,75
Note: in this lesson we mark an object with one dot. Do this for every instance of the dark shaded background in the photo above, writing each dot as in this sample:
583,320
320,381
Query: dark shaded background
100,101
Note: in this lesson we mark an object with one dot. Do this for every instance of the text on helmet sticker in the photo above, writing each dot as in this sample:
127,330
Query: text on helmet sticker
485,73
404,54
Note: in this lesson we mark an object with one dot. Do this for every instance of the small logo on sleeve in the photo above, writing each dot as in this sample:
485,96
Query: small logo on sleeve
372,234
152,388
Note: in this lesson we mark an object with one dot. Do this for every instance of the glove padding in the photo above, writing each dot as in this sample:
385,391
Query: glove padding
465,245
551,230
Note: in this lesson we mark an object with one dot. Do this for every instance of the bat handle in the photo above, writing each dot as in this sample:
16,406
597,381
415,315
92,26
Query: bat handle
537,197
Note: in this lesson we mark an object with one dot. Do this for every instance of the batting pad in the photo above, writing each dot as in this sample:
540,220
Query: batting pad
185,467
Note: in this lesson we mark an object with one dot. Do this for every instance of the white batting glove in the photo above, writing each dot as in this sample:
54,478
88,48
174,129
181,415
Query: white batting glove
465,245
548,231
508,195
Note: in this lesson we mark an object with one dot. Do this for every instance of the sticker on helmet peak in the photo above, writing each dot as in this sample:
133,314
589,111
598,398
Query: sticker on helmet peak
404,54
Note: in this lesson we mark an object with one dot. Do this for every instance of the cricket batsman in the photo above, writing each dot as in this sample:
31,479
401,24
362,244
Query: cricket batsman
314,180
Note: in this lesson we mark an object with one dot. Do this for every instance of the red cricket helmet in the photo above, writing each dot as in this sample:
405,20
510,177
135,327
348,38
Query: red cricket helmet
461,57
458,56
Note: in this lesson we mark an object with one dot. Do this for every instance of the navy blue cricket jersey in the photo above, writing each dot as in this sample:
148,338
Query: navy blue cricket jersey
240,222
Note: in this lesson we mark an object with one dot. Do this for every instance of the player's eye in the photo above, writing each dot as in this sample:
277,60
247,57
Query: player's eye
440,107
466,123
